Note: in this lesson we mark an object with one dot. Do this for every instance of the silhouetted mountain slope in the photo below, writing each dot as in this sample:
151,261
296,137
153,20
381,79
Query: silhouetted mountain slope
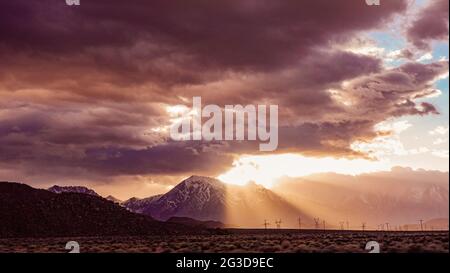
113,199
29,212
196,223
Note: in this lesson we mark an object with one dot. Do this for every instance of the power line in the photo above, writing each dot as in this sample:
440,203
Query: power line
317,222
278,223
421,224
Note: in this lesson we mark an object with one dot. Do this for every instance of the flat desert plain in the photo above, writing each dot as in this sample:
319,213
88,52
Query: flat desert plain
244,241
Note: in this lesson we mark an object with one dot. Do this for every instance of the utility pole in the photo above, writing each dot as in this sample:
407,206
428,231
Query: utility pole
387,226
266,224
421,224
317,222
299,222
278,223
363,226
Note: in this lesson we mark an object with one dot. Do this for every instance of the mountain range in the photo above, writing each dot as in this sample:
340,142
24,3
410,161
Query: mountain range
30,212
205,198
400,198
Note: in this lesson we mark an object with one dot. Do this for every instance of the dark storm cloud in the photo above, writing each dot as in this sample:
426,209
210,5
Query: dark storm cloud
391,93
171,157
168,42
431,24
82,87
233,34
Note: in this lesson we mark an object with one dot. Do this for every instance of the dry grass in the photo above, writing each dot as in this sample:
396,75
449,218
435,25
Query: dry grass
243,241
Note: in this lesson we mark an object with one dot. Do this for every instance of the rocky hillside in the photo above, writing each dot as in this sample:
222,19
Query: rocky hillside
29,212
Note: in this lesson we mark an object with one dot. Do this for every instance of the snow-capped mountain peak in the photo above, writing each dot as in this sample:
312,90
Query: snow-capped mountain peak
195,181
205,198
76,189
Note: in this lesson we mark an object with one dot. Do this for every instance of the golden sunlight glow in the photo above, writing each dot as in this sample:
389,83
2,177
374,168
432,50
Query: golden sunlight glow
177,109
265,170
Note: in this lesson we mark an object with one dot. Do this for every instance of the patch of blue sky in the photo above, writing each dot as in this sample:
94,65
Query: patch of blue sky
420,3
390,41
440,50
418,135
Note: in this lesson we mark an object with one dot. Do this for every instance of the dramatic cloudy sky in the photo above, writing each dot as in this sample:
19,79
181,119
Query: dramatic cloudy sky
86,91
